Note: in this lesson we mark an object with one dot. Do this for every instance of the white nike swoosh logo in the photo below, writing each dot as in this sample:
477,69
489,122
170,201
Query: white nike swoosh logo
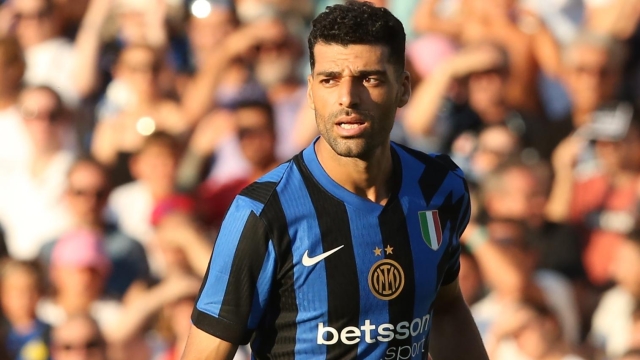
307,261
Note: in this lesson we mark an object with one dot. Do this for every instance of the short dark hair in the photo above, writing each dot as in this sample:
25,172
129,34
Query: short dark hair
261,105
359,23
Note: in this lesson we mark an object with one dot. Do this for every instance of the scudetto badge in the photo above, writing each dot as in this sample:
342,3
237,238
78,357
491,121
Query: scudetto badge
386,279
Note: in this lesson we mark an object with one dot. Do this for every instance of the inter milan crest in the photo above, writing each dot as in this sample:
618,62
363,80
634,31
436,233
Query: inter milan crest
386,279
431,230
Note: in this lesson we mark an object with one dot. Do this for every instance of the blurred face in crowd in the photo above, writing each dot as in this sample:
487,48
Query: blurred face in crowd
276,62
510,236
355,92
589,77
519,196
625,269
138,67
156,165
35,21
82,283
77,339
536,334
623,155
470,279
19,294
206,33
87,193
11,67
486,89
257,136
496,144
43,116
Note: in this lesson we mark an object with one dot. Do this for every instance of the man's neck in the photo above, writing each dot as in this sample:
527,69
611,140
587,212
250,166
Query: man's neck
366,178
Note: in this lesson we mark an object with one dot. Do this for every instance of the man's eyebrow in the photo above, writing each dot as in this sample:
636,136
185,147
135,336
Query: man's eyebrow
363,72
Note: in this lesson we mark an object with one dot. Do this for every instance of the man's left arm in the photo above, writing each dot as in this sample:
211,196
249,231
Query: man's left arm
454,334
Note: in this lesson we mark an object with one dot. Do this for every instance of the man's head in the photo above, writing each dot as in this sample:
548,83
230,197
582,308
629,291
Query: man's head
513,191
156,162
358,79
78,338
487,88
138,67
36,21
43,115
87,191
21,285
496,145
593,65
276,61
12,66
256,132
209,23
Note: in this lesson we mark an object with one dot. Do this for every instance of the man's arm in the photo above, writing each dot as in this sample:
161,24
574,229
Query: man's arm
454,334
202,346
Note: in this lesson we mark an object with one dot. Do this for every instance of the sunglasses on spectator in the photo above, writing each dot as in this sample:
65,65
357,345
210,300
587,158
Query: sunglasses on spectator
52,115
244,133
87,193
38,15
87,346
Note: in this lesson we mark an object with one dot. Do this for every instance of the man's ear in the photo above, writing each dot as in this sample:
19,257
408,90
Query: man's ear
405,89
309,93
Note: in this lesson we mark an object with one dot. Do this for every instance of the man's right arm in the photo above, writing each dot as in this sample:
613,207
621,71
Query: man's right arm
202,346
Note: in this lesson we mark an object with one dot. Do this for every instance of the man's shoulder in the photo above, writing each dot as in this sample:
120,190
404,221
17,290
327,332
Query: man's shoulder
433,162
259,193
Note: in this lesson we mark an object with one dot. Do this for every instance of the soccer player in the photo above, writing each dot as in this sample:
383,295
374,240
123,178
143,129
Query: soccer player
350,250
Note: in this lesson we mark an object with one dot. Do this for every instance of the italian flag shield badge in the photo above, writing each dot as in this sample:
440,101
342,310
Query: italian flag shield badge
430,226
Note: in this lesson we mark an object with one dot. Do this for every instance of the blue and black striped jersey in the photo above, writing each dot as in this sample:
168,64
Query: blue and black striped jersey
305,269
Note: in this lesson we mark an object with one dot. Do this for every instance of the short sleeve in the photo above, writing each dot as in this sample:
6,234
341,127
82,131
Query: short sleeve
463,208
238,280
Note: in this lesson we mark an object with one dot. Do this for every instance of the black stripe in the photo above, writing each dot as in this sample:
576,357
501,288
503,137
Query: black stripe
341,270
277,336
450,216
393,228
245,270
259,191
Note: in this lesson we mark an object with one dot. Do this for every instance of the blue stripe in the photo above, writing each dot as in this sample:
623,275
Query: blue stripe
263,287
212,295
366,232
305,234
276,174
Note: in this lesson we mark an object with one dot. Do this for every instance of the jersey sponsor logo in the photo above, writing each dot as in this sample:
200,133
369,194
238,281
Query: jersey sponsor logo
431,230
307,261
386,279
371,333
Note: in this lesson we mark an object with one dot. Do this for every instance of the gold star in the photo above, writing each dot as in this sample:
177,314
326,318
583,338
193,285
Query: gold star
378,251
389,249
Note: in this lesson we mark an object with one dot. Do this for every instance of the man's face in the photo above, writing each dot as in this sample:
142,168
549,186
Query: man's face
589,77
77,340
19,295
355,92
138,68
486,89
87,193
207,33
156,165
42,114
257,137
35,21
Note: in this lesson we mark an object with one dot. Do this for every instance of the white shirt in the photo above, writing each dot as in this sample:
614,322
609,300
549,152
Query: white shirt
15,145
31,209
52,63
106,312
131,206
613,321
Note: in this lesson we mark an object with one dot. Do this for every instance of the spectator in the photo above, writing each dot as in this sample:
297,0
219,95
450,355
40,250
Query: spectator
85,199
534,331
154,166
79,271
256,134
78,338
470,279
530,46
32,194
481,73
21,286
603,201
49,57
612,326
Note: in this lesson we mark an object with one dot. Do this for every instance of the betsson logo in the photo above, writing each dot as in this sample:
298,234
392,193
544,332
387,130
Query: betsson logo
386,332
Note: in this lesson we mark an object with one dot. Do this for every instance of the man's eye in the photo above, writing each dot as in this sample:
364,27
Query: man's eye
371,81
328,81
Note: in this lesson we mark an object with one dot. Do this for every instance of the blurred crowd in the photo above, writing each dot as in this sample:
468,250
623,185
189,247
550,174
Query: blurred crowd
128,126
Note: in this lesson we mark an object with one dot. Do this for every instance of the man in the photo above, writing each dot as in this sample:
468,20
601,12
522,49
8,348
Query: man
78,338
331,241
85,198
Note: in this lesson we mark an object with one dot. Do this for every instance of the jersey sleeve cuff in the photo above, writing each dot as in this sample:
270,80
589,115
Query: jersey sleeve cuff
220,328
